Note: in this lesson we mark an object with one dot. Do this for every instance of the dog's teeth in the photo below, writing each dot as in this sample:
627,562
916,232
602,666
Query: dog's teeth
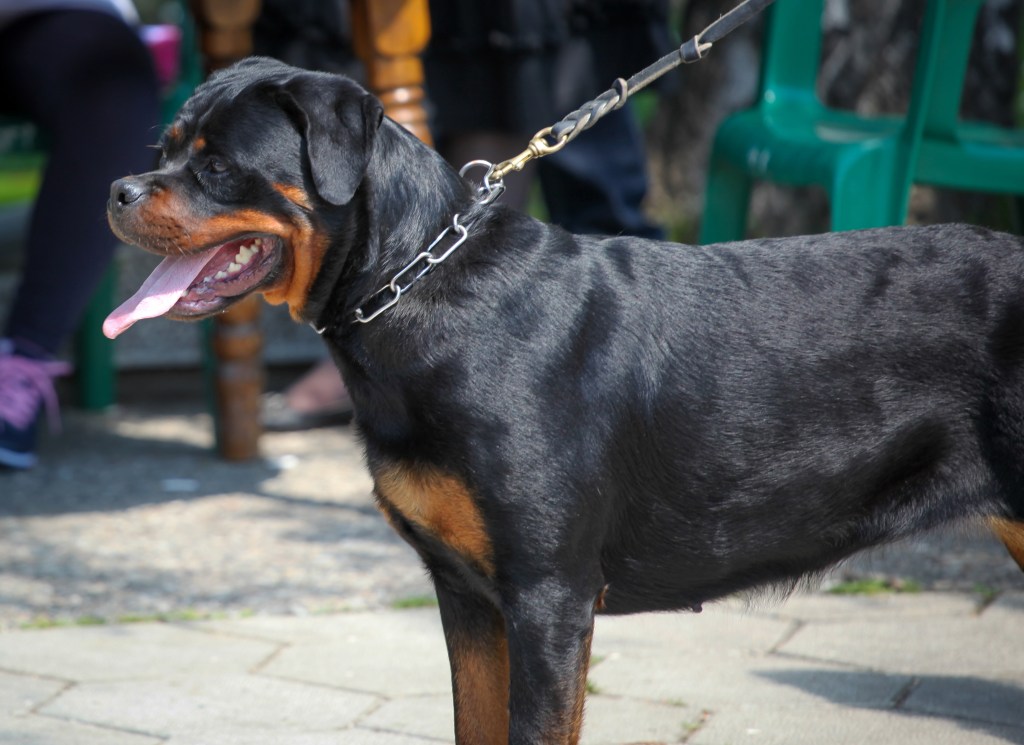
234,268
245,254
220,275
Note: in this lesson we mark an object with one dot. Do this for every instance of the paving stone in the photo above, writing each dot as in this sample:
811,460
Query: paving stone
988,700
37,730
354,736
359,678
716,681
985,646
718,628
423,623
838,725
401,653
1009,606
610,721
418,716
127,651
207,705
823,608
19,694
360,736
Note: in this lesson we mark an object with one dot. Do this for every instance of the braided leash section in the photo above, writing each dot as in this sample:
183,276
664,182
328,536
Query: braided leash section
555,137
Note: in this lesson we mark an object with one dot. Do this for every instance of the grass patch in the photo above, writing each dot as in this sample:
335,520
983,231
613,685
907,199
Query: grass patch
45,622
988,594
173,616
415,601
875,587
691,727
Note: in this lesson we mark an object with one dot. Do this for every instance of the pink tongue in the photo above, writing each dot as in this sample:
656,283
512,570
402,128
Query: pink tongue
158,293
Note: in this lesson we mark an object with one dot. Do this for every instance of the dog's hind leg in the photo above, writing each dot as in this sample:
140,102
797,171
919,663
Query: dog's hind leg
1011,533
478,652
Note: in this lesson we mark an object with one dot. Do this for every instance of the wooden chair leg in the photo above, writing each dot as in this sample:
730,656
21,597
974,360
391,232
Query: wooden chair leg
389,36
225,36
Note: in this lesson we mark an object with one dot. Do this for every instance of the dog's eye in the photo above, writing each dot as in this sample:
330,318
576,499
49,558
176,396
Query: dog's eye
216,165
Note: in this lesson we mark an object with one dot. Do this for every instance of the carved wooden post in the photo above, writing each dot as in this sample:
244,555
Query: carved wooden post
389,37
225,34
225,29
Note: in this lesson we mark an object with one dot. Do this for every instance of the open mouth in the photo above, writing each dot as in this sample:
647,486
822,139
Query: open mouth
234,270
202,283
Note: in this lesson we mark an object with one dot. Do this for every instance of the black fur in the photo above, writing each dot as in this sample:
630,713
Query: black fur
641,425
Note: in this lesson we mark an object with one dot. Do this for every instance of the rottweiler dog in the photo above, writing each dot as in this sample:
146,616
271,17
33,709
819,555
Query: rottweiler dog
563,425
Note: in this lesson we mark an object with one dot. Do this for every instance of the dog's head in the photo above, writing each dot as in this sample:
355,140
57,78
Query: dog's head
248,170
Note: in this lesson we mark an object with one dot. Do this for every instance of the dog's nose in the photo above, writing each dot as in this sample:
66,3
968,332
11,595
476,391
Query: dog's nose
125,191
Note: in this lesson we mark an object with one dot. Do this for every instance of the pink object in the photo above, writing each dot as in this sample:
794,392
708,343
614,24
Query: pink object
158,293
164,42
24,382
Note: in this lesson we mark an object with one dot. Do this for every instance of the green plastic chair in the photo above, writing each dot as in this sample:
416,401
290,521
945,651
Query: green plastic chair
865,164
22,157
960,154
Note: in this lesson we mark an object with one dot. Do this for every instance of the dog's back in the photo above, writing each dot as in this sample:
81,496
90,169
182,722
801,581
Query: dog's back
756,411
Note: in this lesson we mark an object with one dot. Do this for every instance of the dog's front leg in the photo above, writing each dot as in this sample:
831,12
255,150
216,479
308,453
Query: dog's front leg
550,626
478,651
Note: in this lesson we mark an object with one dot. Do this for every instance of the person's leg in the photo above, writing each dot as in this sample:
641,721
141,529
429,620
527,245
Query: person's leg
87,81
597,183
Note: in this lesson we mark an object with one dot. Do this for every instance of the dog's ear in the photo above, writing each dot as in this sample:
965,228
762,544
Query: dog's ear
340,121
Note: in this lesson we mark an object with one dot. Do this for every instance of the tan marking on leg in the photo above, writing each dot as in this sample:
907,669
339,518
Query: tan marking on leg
581,691
480,677
443,506
1011,533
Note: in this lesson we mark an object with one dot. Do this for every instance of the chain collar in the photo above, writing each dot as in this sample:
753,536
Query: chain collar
388,296
411,273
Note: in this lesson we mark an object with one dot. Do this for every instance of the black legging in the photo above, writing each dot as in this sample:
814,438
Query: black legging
87,81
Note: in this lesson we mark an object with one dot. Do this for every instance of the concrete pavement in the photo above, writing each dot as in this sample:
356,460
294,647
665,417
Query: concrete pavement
129,514
928,668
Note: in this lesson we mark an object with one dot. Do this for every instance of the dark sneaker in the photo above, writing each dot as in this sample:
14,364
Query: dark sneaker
26,389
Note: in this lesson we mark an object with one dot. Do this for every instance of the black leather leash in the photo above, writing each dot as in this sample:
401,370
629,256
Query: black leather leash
554,138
